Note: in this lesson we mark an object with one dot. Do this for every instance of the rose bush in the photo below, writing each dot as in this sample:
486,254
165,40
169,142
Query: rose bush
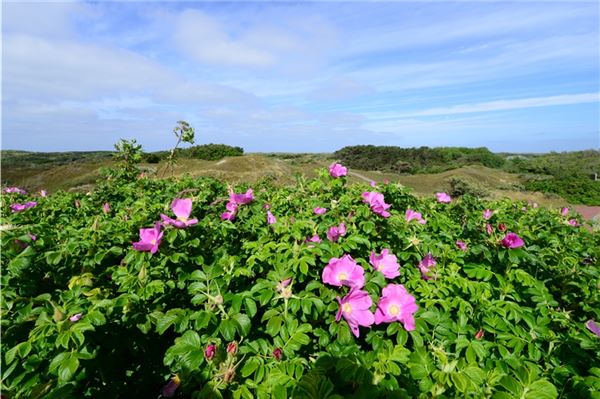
244,306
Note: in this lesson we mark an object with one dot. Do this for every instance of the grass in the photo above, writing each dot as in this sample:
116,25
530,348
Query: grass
56,174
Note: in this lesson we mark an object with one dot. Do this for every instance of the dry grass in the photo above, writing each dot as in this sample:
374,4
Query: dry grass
254,167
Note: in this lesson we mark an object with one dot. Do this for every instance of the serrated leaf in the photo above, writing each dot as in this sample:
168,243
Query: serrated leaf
243,323
250,366
227,329
67,367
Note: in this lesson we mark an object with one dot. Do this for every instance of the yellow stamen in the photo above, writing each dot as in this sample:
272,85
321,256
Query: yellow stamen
153,242
182,219
346,308
393,310
342,276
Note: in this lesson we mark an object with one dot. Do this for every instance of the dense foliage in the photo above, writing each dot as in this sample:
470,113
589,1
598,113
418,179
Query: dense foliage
213,312
212,152
27,159
415,160
569,174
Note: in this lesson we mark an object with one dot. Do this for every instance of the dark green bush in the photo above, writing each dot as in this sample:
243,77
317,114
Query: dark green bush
415,160
152,158
211,152
460,186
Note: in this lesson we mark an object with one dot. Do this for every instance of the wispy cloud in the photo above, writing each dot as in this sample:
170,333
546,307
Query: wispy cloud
503,105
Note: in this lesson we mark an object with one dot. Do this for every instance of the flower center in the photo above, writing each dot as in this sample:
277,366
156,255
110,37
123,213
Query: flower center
342,276
182,219
393,310
346,308
153,242
380,267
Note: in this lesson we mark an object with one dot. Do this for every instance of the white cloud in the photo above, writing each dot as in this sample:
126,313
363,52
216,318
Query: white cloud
286,44
503,105
202,38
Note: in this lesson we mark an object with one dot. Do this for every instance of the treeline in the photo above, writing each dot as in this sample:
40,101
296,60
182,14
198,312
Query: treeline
415,160
208,152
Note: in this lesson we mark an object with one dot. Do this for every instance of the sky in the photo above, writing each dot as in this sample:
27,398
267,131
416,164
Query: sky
287,76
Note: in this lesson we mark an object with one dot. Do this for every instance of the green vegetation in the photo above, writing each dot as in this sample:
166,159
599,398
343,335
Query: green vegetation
212,152
557,175
415,160
84,314
27,159
568,174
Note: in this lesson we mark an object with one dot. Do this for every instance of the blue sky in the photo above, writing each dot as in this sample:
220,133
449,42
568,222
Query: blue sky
302,77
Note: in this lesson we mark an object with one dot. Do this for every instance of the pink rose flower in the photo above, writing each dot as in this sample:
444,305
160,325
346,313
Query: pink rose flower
319,210
412,215
270,218
443,197
182,208
425,266
385,263
76,317
336,170
593,327
242,199
461,245
355,309
511,240
487,214
314,238
15,190
377,203
21,207
396,304
334,233
343,271
149,239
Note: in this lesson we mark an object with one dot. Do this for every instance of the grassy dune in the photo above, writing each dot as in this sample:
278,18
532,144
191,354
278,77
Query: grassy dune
280,168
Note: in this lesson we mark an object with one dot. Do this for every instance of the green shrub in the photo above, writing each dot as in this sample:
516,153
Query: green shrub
212,152
152,158
460,186
86,315
415,160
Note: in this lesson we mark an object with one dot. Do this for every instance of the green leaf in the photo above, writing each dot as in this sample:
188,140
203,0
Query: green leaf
461,382
243,323
541,389
479,272
165,321
274,325
250,366
227,329
250,306
67,367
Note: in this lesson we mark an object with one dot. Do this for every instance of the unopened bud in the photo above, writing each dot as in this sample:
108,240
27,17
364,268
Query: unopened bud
210,351
232,348
277,353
